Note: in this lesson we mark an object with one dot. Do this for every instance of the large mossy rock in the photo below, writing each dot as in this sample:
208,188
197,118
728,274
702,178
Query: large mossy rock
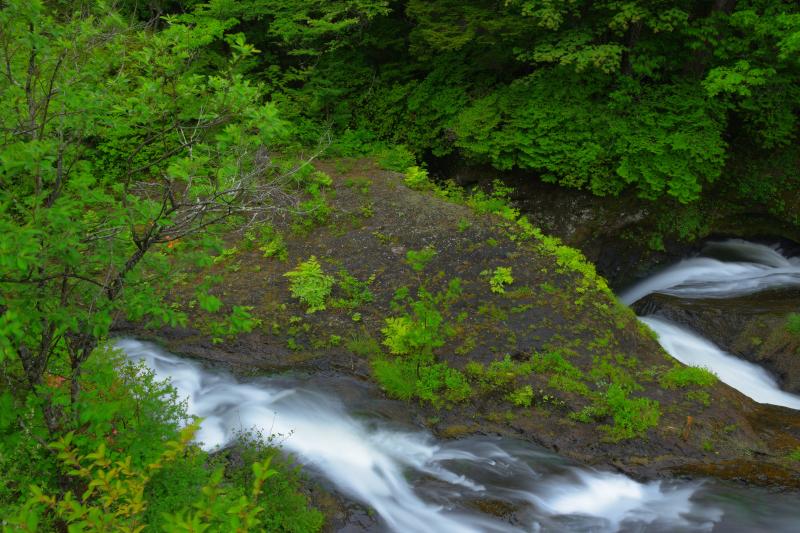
557,317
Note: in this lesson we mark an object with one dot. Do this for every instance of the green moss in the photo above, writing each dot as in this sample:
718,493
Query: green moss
699,396
419,259
793,324
632,416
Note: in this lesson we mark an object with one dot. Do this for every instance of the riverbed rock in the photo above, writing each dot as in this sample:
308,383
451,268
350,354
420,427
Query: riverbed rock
556,313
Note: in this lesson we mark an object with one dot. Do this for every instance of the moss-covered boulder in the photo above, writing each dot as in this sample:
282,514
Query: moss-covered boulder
456,305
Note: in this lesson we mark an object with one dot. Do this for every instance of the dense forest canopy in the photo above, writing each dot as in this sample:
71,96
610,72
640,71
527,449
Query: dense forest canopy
664,97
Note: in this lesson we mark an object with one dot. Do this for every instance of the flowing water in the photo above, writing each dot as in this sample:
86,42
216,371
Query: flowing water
723,270
416,484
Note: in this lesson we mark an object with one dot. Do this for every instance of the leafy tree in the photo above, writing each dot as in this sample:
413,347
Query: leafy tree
118,147
663,97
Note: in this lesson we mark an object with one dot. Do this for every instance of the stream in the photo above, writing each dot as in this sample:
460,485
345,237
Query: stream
414,483
722,270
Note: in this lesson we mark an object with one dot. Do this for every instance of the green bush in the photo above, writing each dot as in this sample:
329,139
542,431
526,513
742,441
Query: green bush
685,376
436,383
397,158
398,377
417,178
309,284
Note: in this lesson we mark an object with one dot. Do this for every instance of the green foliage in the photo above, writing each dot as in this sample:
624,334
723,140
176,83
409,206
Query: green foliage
309,284
355,292
129,465
499,278
685,376
272,243
417,178
240,320
435,383
522,397
315,210
414,337
607,96
632,416
795,455
416,334
419,259
397,158
397,377
364,345
499,376
126,151
793,324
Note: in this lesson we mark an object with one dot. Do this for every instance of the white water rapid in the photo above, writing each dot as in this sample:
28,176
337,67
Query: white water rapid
725,269
416,484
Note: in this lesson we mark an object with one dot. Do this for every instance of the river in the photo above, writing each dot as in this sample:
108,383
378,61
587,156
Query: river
415,483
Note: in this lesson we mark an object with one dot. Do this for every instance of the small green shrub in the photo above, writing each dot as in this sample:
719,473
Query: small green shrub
272,244
795,455
240,320
417,178
522,397
438,382
499,278
309,284
679,377
397,377
435,383
416,334
419,259
397,158
364,345
356,292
